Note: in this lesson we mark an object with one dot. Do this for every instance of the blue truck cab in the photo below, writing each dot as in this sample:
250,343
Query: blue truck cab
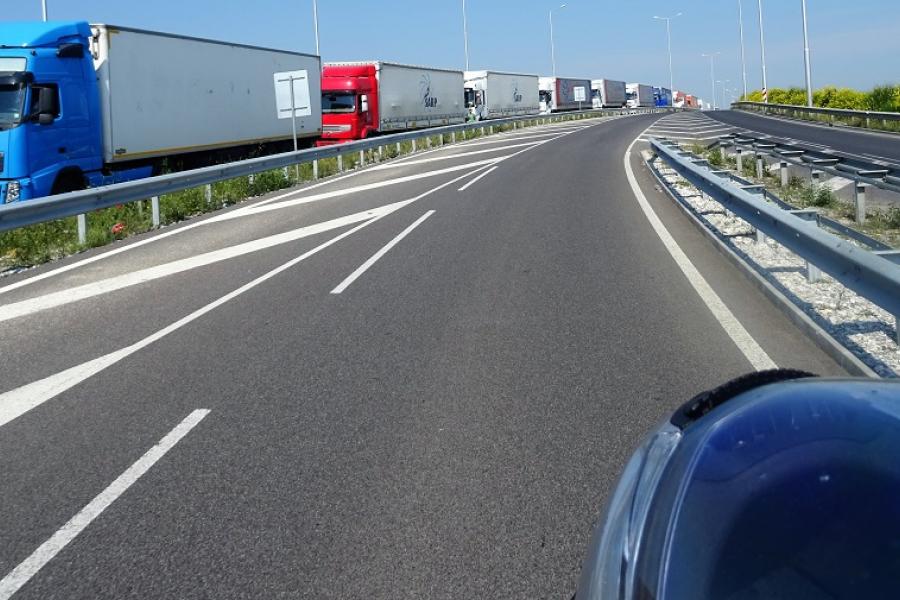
50,116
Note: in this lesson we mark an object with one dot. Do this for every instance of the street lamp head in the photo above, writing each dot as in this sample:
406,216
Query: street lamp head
563,5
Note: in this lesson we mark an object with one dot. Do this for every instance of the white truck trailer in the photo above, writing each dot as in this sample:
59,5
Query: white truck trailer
561,94
162,94
494,95
607,93
640,95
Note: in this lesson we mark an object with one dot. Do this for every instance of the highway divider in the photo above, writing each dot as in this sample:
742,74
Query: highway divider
873,274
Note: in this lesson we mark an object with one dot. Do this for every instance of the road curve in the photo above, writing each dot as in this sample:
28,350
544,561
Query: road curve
447,426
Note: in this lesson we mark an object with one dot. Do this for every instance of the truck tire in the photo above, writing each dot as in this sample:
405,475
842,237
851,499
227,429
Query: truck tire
68,181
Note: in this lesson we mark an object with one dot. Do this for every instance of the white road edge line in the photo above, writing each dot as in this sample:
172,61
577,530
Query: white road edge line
477,179
738,334
29,567
378,255
19,401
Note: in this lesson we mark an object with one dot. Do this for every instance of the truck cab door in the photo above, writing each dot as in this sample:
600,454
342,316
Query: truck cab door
46,135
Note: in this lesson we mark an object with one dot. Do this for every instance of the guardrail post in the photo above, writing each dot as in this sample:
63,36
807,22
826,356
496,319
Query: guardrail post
428,141
785,174
453,137
82,229
414,144
861,202
492,130
154,212
813,273
340,161
759,166
739,152
398,148
207,193
380,153
362,158
316,169
482,131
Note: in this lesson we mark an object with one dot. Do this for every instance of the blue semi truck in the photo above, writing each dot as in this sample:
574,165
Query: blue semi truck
86,105
663,97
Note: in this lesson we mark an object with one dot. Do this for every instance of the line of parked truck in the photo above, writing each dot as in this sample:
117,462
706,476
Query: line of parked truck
87,105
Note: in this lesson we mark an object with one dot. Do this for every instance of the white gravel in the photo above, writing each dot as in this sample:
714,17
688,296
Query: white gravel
862,327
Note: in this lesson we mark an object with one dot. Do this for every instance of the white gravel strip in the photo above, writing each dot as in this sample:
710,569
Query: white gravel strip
862,327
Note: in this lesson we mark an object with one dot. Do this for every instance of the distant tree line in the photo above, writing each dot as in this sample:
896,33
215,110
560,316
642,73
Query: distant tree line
884,98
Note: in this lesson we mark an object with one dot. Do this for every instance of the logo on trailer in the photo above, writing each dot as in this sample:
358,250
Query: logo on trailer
428,100
517,96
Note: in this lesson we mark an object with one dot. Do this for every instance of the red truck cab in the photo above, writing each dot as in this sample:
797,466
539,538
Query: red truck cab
349,103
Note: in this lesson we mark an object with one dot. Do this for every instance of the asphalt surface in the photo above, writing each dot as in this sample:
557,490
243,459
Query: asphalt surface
871,144
448,426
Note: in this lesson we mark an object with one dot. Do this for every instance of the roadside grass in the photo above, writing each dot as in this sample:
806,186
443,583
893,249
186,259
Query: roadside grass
29,246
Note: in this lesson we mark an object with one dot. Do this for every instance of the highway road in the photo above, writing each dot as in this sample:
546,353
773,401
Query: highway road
419,380
870,144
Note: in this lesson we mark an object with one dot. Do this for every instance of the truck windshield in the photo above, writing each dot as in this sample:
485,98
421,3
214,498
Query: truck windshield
12,101
340,102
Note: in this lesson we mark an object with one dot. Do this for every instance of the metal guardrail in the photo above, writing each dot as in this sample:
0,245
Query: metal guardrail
834,114
33,212
864,171
865,272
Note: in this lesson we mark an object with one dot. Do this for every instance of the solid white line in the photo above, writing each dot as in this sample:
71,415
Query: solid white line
738,334
378,255
29,567
17,402
105,286
477,179
360,188
458,155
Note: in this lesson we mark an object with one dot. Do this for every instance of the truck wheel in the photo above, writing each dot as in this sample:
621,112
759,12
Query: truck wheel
68,182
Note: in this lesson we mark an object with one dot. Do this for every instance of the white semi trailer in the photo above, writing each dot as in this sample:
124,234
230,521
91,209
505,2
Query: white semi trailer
607,93
562,93
640,95
494,95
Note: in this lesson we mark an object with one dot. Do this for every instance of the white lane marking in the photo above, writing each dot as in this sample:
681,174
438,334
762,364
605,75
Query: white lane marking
503,140
378,255
105,286
477,179
44,553
17,402
361,188
161,236
458,155
738,334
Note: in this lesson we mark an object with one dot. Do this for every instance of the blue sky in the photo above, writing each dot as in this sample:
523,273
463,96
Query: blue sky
595,38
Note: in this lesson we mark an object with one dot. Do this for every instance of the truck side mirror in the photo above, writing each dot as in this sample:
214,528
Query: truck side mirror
45,106
364,103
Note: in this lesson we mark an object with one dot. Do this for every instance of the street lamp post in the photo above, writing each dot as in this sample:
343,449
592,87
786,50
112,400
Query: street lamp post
44,9
668,21
465,33
552,44
762,45
743,51
712,73
809,91
316,24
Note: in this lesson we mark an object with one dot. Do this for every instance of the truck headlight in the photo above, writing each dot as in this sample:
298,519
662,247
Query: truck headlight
13,191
